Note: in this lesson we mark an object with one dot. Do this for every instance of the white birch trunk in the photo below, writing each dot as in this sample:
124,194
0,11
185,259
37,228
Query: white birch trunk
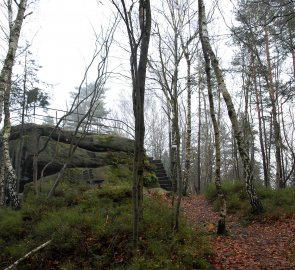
221,227
186,176
7,172
2,182
254,200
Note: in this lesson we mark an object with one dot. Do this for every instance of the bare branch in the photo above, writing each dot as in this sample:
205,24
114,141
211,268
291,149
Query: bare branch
28,255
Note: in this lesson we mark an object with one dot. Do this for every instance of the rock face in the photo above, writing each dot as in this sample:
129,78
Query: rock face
92,150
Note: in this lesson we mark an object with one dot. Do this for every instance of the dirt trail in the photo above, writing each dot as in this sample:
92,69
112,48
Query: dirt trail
257,246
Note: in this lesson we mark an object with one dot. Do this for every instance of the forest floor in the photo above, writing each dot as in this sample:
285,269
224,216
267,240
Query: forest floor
267,244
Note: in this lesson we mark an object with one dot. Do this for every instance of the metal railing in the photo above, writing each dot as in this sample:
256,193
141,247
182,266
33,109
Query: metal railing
52,116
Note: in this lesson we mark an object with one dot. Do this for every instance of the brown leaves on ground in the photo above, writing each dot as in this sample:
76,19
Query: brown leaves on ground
264,245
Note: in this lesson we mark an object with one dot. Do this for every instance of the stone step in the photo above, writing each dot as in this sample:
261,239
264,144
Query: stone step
160,170
168,188
161,174
163,177
157,163
165,183
160,165
166,178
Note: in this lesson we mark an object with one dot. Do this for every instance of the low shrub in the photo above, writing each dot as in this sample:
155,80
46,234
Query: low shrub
277,202
93,230
150,180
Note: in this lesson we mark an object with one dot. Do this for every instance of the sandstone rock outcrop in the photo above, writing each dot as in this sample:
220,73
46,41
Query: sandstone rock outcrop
93,150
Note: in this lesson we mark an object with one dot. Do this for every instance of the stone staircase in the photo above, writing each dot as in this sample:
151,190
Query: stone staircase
164,180
87,177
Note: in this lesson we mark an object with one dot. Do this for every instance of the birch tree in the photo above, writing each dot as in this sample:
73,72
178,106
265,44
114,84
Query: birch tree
189,50
8,176
166,74
221,229
254,200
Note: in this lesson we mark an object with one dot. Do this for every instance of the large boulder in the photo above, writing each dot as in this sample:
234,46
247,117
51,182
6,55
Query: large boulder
91,151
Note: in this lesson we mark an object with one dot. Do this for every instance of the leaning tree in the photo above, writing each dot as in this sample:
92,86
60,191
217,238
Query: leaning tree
207,49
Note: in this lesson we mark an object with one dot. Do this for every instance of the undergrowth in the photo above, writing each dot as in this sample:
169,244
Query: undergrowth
276,202
91,228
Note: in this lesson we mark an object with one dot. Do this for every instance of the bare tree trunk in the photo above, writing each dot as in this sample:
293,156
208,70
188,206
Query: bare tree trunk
5,87
290,146
138,104
2,176
9,172
221,228
235,157
264,159
207,149
138,73
59,177
15,28
254,200
19,160
169,85
267,143
186,175
245,119
199,143
276,125
291,37
176,166
176,134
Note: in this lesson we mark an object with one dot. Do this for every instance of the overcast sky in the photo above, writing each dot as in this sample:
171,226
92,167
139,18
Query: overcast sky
62,38
63,41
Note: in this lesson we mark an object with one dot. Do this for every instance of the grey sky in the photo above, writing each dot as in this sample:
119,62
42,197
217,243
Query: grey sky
63,41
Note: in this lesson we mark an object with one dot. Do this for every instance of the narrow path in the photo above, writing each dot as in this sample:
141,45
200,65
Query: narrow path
257,246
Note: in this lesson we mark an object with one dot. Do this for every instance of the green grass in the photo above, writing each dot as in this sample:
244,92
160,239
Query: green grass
91,228
276,202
